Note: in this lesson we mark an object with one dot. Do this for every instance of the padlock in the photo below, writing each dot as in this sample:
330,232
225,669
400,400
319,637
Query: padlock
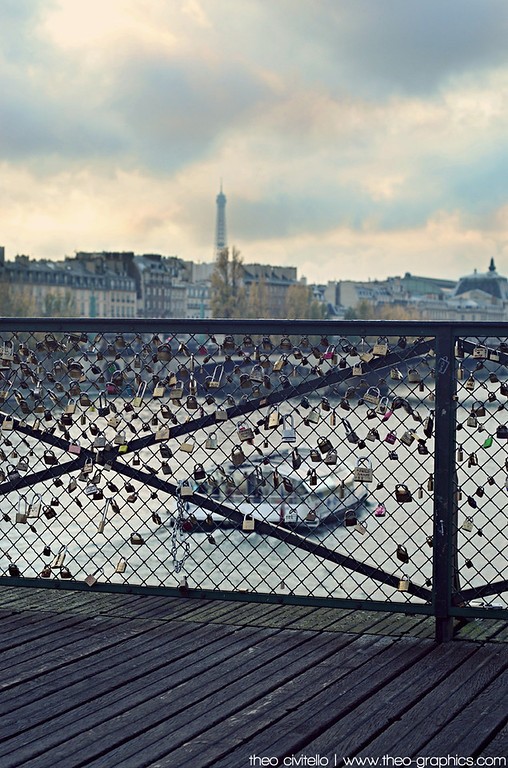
395,374
403,584
215,380
136,539
121,565
159,390
480,353
162,432
381,347
237,456
430,483
402,554
296,459
272,420
391,438
191,403
164,353
248,523
313,477
245,433
407,438
362,472
350,519
472,420
324,445
288,429
402,494
187,446
470,383
211,442
467,525
413,376
502,432
59,558
372,396
199,472
380,510
472,460
49,457
34,507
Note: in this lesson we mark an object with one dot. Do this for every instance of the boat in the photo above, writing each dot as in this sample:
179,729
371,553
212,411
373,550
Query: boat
299,495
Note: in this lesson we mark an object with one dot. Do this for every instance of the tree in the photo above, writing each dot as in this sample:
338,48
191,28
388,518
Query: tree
16,301
228,298
59,305
301,305
257,305
364,310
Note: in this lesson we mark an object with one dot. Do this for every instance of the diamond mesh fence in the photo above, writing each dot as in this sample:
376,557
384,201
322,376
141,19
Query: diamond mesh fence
261,462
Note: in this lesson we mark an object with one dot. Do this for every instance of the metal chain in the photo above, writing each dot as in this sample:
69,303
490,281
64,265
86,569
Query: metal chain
178,537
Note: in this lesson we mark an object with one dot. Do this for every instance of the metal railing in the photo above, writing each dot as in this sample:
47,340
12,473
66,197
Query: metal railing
344,464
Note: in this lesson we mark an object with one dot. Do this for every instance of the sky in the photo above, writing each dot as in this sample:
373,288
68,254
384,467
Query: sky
355,139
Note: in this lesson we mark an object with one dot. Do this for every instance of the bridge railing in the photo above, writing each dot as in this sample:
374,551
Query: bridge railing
344,464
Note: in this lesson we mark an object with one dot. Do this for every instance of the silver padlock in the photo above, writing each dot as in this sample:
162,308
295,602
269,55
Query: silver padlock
211,442
288,429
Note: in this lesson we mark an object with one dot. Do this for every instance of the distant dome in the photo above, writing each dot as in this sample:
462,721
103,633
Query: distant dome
489,282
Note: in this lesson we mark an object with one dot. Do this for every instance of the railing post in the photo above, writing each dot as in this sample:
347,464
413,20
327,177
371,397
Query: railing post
444,531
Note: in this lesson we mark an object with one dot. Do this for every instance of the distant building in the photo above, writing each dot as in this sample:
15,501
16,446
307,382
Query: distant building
274,282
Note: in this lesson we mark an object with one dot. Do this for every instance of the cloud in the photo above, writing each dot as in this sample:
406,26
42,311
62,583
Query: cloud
366,134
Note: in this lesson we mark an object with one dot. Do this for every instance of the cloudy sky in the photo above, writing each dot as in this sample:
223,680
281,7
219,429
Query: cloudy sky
355,138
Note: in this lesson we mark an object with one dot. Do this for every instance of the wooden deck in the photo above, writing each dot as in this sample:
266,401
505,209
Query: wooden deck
125,681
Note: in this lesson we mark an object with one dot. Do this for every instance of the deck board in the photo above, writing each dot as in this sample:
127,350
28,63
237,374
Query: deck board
98,680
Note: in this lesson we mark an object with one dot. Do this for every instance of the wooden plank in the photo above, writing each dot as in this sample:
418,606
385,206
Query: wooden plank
60,650
77,724
357,621
378,711
117,649
498,747
321,619
146,717
345,712
418,724
488,711
104,679
285,615
154,743
213,745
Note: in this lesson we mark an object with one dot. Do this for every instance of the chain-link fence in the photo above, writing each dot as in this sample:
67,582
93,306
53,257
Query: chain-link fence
337,463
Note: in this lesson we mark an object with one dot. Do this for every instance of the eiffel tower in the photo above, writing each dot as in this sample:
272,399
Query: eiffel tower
220,227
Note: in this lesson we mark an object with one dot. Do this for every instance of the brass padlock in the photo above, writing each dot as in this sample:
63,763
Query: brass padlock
248,523
403,584
215,380
272,421
381,347
237,456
